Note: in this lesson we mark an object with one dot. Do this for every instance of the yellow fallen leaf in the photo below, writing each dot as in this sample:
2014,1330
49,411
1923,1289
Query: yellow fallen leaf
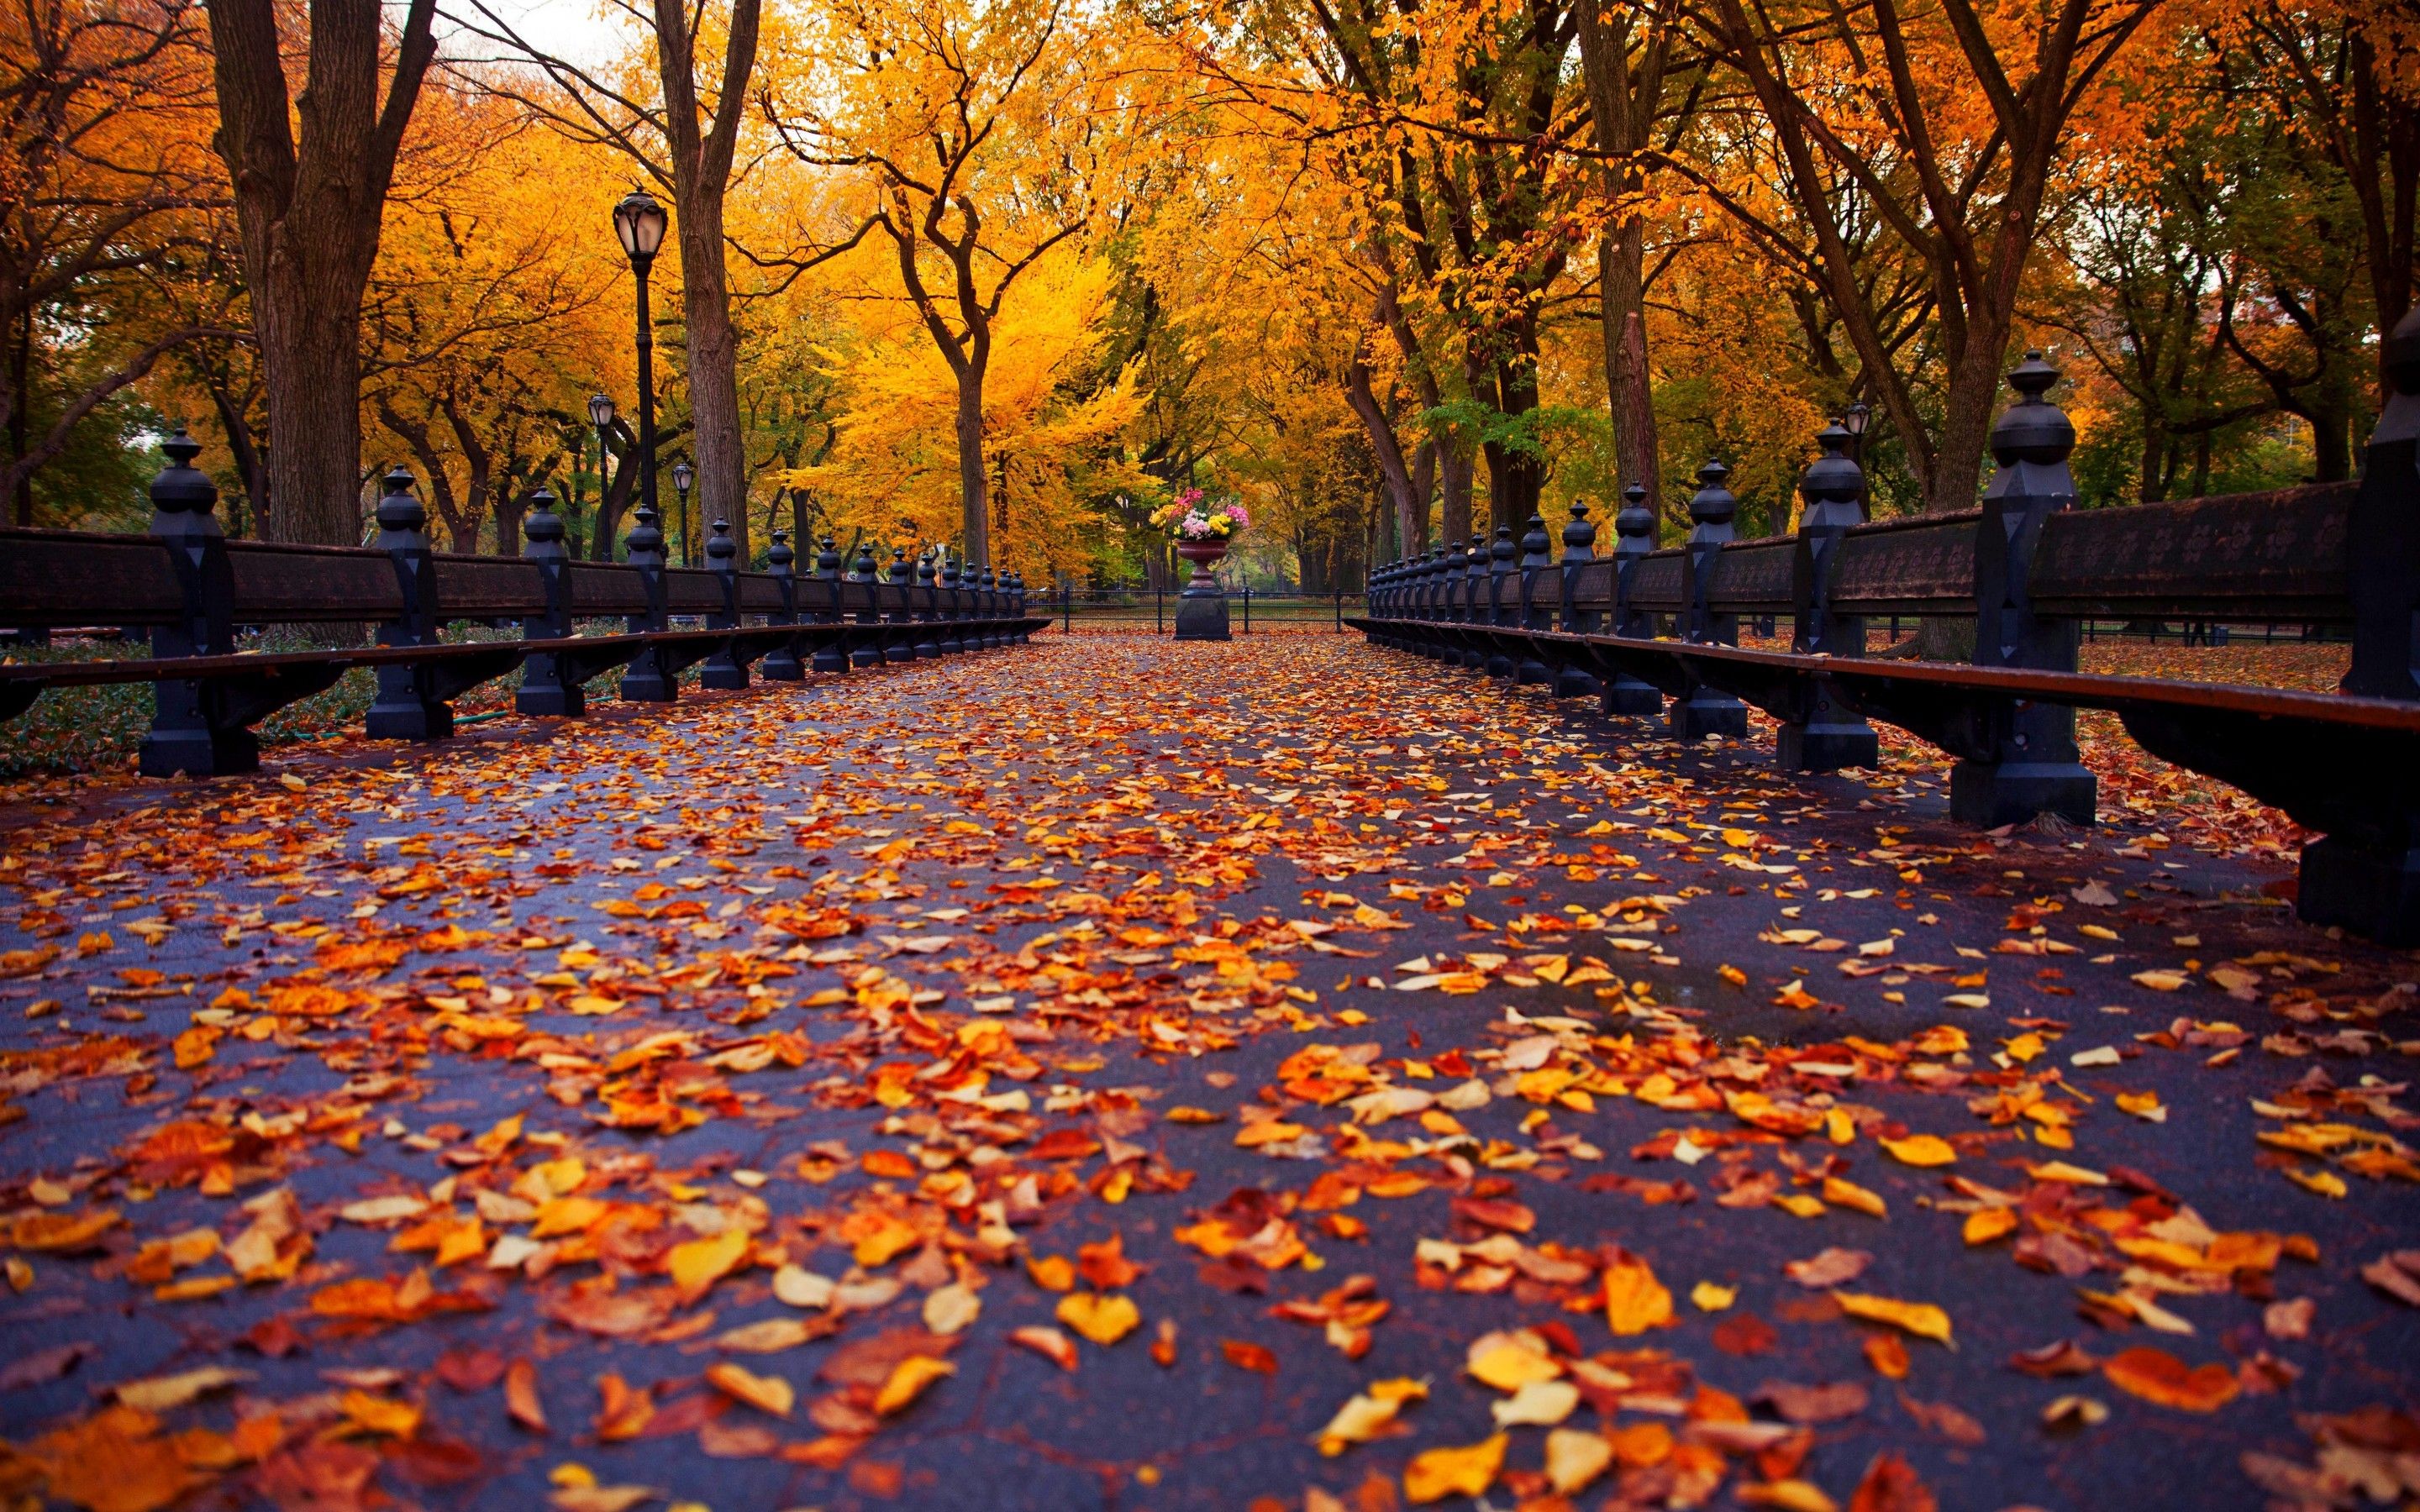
1104,1320
1510,1366
1541,1404
2160,982
1922,1150
1574,1457
1921,1318
1710,1298
1437,1473
1368,1413
951,1308
2326,1184
908,1379
373,1414
701,1262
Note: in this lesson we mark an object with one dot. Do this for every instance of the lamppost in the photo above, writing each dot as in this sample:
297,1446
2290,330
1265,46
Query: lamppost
639,222
682,474
600,414
1855,424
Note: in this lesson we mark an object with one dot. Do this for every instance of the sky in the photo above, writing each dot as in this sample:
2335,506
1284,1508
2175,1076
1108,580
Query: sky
571,29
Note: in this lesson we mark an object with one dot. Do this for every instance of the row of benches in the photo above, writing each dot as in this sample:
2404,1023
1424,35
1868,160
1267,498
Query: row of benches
1647,625
192,587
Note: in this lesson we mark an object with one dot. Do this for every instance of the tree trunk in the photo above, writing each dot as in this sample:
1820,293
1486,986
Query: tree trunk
1424,467
701,157
1396,477
713,373
1454,469
310,353
975,481
1632,394
248,466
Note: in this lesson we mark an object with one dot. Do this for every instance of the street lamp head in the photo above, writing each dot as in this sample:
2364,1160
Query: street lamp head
639,221
682,474
601,410
1855,421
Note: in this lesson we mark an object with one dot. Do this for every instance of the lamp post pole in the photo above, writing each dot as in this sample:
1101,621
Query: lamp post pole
682,474
639,222
601,415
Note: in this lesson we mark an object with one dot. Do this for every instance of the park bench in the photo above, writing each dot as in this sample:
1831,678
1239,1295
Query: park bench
193,588
2026,568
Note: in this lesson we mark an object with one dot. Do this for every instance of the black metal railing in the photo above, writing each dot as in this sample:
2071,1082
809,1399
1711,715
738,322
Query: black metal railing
192,587
1133,610
2026,571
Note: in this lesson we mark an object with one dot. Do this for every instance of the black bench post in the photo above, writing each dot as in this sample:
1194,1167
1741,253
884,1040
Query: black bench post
2369,880
928,641
992,640
1021,636
1502,555
407,706
651,677
951,644
832,657
898,645
2033,768
550,684
727,667
1453,605
868,650
781,664
1702,711
1832,735
1537,558
1575,618
1634,533
187,732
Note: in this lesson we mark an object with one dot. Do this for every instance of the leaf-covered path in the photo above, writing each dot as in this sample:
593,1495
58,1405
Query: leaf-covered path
1120,1074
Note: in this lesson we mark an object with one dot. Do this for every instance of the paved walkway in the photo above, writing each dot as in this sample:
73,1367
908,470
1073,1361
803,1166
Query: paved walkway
1082,1076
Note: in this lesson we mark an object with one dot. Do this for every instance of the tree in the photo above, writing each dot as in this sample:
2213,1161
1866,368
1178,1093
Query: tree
309,205
1876,110
105,179
684,135
970,131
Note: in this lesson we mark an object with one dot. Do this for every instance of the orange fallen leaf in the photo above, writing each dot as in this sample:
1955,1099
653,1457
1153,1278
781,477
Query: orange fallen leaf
520,1397
1249,1356
1921,1318
1634,1301
2157,1375
766,1393
907,1381
1434,1475
1049,1343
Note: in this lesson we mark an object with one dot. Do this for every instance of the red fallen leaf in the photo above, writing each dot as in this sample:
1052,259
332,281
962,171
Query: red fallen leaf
470,1370
684,1414
1891,1485
877,1477
1163,1345
2157,1375
520,1397
1065,1144
1105,1264
321,1475
1249,1356
432,1461
1828,1403
1234,1275
1496,1213
272,1337
1745,1333
1946,1419
43,1366
869,1360
2060,1357
1558,1335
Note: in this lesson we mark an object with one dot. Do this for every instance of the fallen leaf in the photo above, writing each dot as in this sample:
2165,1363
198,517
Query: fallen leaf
1434,1475
1103,1320
2157,1375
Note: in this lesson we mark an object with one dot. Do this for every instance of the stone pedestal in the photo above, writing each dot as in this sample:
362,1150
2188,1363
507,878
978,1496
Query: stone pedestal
1202,609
